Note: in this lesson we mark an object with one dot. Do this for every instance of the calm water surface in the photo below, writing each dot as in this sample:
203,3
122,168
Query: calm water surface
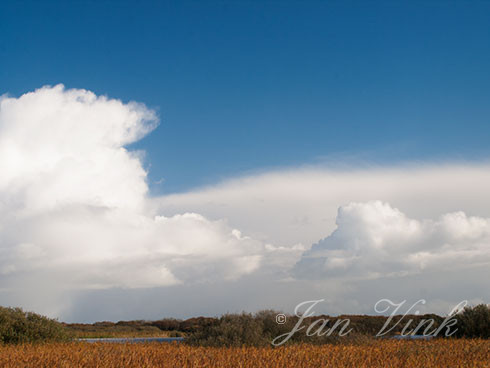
123,340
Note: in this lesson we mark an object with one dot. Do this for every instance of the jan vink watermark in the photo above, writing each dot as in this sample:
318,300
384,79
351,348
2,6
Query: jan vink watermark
426,327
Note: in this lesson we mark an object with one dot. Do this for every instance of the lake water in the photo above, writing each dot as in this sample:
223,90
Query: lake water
411,337
124,340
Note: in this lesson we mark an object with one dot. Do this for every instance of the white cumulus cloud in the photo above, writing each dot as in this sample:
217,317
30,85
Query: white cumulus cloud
374,240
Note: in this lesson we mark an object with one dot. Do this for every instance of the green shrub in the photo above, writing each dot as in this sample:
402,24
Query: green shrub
17,326
229,330
246,329
474,322
168,324
175,334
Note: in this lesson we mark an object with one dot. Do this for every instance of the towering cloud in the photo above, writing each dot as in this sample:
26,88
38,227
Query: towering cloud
60,147
74,210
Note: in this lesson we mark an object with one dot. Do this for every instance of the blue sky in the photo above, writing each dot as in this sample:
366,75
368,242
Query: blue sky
245,86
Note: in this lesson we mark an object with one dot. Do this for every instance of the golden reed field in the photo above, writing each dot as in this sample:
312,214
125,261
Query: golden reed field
384,353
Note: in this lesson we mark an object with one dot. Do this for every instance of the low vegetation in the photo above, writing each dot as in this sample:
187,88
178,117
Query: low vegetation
120,329
383,353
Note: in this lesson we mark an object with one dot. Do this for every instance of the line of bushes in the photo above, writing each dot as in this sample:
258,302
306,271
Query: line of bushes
262,328
259,329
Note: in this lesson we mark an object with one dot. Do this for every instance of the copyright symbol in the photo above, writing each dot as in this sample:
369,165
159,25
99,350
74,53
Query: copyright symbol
281,319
